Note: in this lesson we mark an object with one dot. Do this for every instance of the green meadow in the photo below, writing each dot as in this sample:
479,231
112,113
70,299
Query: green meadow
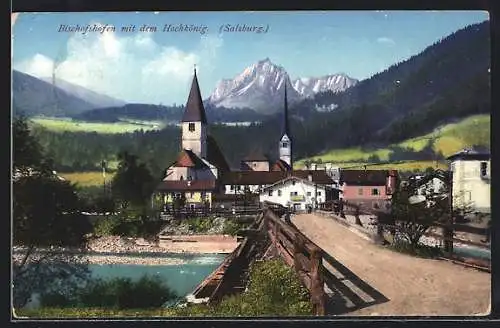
449,138
87,179
63,124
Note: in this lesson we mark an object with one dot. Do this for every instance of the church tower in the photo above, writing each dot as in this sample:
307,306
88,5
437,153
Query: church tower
285,144
194,122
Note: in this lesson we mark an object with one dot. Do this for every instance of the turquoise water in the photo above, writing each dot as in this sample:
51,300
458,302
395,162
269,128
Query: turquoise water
474,252
182,279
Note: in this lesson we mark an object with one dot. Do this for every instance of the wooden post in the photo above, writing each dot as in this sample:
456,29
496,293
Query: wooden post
297,249
317,288
275,241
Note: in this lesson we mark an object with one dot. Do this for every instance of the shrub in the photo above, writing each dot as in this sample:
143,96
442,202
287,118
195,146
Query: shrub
231,228
106,226
274,290
420,250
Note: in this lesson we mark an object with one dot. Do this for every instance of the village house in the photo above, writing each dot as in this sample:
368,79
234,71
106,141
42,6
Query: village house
299,193
371,189
471,170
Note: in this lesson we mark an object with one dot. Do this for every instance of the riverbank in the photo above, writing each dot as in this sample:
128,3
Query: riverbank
123,250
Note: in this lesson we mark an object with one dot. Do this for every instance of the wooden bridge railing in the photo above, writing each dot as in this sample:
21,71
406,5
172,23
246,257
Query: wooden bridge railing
301,253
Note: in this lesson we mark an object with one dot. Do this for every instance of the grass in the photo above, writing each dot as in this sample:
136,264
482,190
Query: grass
87,179
449,139
63,124
403,166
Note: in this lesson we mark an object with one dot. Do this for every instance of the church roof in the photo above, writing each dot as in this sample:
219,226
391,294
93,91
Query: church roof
215,155
281,165
194,112
187,158
256,156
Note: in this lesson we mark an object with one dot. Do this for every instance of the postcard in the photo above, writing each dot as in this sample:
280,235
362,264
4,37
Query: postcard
251,164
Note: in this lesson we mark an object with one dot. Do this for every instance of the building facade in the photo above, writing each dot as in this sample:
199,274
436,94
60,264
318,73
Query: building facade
371,189
471,171
298,193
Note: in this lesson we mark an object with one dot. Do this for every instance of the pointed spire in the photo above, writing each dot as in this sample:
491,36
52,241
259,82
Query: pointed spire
194,112
285,116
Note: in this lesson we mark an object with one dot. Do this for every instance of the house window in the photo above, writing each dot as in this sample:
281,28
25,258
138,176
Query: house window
293,193
284,145
254,164
293,183
279,193
360,192
191,127
181,178
484,169
375,192
270,192
318,193
308,193
232,187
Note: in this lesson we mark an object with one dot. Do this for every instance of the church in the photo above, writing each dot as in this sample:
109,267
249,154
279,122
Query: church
201,174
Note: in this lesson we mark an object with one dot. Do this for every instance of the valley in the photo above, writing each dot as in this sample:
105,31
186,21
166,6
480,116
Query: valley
412,115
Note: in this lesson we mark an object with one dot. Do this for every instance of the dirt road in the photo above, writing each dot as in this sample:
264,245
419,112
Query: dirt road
409,285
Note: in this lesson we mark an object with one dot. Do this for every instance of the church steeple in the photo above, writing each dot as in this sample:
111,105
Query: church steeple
285,144
194,112
285,117
194,122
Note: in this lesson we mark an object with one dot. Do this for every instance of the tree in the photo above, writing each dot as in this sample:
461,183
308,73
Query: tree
45,214
132,184
409,220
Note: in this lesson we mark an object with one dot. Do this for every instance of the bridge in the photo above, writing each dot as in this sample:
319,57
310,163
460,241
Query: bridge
272,236
325,267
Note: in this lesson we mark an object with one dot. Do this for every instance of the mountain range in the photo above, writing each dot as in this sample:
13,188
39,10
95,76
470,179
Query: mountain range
261,87
97,100
34,96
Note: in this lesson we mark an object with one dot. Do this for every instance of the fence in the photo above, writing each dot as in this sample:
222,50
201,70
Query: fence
301,253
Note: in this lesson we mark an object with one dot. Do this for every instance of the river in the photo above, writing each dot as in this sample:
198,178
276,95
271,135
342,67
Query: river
182,277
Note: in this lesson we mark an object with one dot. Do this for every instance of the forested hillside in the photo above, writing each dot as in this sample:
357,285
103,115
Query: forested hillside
146,112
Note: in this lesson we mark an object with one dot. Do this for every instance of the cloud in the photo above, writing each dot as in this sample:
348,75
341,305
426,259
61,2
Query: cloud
386,40
134,68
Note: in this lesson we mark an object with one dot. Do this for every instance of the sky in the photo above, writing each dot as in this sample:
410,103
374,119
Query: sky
157,67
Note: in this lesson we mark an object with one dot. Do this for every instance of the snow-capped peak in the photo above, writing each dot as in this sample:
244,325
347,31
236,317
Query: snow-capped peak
308,87
261,87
